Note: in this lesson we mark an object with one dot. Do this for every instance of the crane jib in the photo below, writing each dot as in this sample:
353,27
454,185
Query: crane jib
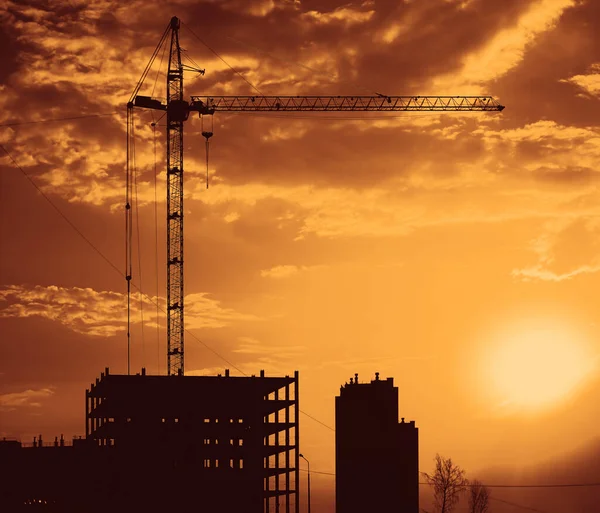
180,109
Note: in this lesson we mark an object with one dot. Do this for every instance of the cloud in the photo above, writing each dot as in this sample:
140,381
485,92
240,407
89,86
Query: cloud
275,360
589,83
390,161
545,152
205,371
556,260
539,273
346,15
201,311
272,366
282,271
27,398
82,310
231,217
104,313
350,365
506,48
251,346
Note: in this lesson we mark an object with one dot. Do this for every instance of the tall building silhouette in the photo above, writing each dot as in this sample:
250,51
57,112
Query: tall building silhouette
159,443
376,457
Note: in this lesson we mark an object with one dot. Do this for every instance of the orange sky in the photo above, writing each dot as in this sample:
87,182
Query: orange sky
426,247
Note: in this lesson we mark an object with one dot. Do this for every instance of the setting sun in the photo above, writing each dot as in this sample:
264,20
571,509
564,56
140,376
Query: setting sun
537,367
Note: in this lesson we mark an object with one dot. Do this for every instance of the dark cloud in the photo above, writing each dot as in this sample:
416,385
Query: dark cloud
9,56
351,154
437,38
534,90
566,176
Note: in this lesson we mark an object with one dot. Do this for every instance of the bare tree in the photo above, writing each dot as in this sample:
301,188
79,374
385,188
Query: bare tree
479,498
448,483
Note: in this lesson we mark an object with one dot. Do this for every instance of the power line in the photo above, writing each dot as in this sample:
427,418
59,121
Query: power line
156,249
562,485
60,212
555,485
518,505
107,260
222,59
318,421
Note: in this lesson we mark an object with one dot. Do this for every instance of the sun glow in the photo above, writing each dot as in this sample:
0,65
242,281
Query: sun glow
537,367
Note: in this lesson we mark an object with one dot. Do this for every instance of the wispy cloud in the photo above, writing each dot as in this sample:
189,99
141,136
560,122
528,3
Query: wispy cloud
556,260
204,312
539,273
251,346
506,48
346,15
104,313
83,310
589,83
284,271
274,359
27,398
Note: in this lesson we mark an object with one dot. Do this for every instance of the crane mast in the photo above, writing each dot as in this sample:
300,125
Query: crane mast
176,115
177,110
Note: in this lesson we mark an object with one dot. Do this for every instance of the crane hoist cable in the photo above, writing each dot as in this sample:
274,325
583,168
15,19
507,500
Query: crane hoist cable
130,179
154,123
132,202
128,221
150,62
139,246
207,134
156,252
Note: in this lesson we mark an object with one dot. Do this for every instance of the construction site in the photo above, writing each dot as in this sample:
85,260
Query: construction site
212,443
170,442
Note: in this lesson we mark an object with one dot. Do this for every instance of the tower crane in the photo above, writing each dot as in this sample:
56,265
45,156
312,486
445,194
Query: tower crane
177,111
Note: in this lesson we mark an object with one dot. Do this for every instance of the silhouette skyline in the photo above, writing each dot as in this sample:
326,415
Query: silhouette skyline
220,443
457,253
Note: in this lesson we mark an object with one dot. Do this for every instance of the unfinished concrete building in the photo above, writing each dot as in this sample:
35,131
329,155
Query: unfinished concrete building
227,444
376,457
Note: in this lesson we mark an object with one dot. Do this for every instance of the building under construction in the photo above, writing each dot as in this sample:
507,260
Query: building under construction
227,444
376,457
